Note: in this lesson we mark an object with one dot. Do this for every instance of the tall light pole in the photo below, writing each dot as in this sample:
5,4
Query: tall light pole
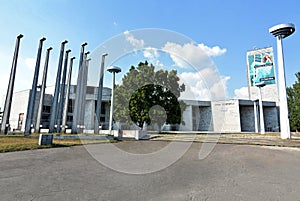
32,94
99,97
42,94
282,31
261,112
113,70
10,89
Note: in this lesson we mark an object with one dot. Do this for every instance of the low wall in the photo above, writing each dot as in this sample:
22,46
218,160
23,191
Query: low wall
137,134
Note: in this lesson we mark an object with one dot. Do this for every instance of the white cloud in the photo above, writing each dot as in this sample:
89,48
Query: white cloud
153,56
30,63
151,53
136,43
212,51
241,93
205,84
196,55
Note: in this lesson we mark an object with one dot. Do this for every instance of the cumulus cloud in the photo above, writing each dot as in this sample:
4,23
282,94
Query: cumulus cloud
212,51
197,55
205,84
136,43
152,55
241,93
30,63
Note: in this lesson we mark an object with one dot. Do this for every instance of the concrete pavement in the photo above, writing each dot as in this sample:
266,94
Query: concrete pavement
270,139
230,172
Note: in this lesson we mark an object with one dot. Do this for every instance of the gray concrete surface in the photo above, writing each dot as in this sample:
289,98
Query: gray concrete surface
230,172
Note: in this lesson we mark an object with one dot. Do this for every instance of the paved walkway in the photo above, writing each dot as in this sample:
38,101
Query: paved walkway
270,139
229,172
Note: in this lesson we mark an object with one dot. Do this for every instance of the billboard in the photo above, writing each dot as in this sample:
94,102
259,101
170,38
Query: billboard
260,66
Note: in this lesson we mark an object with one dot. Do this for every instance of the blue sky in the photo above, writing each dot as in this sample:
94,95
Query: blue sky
232,26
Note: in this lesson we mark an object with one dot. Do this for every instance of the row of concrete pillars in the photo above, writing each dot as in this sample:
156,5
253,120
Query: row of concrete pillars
58,115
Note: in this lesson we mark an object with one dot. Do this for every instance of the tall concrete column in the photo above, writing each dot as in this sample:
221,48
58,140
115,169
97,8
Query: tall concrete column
83,92
99,97
77,105
65,111
10,88
62,91
40,108
32,95
53,114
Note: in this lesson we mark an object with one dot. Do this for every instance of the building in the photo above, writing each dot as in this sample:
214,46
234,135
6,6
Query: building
20,103
229,116
214,116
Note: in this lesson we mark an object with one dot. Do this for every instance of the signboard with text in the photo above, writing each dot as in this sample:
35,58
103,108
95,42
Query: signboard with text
260,64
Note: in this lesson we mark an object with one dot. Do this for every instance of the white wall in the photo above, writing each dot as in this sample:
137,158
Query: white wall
226,116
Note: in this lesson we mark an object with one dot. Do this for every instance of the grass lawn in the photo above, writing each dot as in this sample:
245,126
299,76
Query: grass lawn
19,143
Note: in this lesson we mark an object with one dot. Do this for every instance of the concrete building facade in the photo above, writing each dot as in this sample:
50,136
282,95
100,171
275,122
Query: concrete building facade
20,103
213,116
229,116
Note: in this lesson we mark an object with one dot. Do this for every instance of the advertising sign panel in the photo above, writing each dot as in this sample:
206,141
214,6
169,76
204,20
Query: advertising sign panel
261,66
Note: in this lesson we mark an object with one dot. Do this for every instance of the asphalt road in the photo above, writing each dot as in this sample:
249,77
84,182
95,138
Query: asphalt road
230,172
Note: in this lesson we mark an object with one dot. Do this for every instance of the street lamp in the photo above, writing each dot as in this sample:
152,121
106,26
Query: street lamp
114,70
261,112
99,97
282,31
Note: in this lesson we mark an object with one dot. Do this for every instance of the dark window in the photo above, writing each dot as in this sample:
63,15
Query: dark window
46,109
103,105
89,90
70,105
69,118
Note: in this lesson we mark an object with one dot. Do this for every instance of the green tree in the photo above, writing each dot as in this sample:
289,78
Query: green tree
293,96
142,89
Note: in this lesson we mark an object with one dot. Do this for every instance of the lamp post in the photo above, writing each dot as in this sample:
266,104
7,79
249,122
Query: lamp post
282,31
10,88
99,97
261,112
113,70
